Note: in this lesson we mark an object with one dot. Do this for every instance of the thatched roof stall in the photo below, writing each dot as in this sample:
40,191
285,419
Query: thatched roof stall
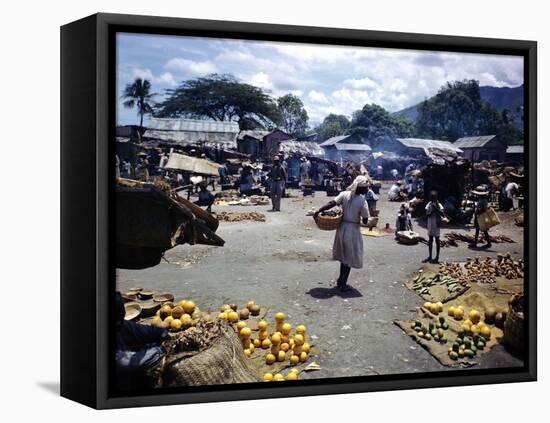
151,220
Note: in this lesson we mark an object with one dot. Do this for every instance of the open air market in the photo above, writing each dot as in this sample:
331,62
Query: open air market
248,253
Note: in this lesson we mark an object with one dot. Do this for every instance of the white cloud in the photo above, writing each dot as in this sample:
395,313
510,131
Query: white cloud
261,80
165,79
317,97
190,67
360,84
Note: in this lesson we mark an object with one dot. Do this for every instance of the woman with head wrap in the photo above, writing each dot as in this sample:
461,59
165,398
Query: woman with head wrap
348,241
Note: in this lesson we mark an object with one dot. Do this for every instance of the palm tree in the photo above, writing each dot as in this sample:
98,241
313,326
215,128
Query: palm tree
138,94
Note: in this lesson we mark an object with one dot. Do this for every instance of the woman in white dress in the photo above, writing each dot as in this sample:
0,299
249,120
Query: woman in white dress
348,241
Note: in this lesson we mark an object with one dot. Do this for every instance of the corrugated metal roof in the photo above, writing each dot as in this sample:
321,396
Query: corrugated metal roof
228,139
515,149
306,148
334,140
353,147
472,142
258,134
178,161
192,125
423,143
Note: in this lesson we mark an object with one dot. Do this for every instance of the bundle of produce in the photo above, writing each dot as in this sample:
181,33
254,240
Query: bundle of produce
178,317
240,217
422,283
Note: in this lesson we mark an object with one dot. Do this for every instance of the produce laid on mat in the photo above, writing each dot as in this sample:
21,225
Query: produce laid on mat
268,348
239,217
472,307
452,238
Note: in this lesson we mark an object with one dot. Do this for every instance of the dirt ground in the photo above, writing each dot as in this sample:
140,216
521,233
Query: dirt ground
285,264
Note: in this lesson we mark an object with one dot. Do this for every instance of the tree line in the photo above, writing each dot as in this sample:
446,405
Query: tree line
456,111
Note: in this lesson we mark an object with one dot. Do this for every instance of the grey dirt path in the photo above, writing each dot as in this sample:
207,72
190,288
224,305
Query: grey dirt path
285,264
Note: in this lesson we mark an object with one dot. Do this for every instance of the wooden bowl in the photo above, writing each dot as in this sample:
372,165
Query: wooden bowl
133,310
129,297
163,298
149,308
145,295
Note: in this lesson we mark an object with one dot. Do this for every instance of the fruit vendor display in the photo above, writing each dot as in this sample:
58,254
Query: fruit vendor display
485,270
430,330
422,284
467,345
473,319
178,317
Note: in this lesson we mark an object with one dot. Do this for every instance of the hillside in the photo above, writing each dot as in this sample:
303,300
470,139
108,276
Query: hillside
499,97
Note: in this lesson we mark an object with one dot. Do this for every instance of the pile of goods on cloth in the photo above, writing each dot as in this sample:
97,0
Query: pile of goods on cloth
231,345
239,217
452,238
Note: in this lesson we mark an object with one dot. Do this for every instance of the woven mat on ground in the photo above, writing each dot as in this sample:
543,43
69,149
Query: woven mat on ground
441,351
437,292
377,232
209,354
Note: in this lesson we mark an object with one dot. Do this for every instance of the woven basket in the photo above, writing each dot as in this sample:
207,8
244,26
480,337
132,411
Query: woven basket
514,328
328,223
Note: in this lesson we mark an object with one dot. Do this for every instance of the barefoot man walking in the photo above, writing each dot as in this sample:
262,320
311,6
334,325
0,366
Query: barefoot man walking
348,241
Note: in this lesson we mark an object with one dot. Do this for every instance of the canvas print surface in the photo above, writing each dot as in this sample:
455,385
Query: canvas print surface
289,211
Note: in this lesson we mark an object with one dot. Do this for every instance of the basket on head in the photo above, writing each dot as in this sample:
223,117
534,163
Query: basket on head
328,223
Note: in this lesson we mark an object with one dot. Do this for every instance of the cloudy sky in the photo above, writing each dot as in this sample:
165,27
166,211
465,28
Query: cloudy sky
328,79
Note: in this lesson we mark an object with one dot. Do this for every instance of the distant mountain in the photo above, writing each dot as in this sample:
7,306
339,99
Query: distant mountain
499,97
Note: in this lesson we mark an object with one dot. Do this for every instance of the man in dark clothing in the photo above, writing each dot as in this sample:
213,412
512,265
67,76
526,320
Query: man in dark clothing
277,176
137,349
206,199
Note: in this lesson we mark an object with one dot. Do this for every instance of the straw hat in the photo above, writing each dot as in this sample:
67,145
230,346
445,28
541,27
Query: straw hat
480,191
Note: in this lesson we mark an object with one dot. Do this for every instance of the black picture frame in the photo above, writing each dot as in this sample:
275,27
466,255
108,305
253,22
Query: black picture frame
87,277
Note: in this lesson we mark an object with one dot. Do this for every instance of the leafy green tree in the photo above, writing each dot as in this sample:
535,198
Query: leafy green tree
221,97
459,111
293,115
138,94
332,126
373,121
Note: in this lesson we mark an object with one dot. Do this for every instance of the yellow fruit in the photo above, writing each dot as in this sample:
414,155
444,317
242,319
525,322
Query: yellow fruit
427,305
270,359
241,325
301,329
474,316
244,314
181,303
251,348
294,359
468,322
246,344
255,310
285,339
451,311
262,325
257,343
168,320
156,321
292,376
286,328
263,335
459,313
278,377
439,305
297,350
186,320
189,307
299,339
275,350
285,347
222,316
249,305
245,333
233,317
294,371
224,308
280,317
247,352
276,339
266,343
474,329
460,307
175,324
466,328
165,311
303,356
177,312
268,377
281,356
306,348
485,332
